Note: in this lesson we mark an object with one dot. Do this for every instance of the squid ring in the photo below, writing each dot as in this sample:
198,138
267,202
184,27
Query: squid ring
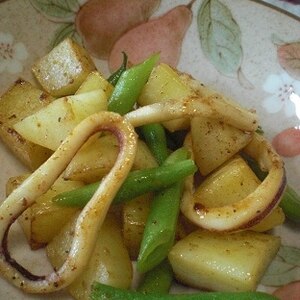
91,217
258,204
212,106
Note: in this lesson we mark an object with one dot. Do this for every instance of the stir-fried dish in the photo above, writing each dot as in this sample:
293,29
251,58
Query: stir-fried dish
149,166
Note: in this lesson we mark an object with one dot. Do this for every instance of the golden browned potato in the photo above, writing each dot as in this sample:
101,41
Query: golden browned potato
223,261
44,219
109,263
64,68
230,183
20,101
95,81
135,213
164,84
95,159
214,142
49,126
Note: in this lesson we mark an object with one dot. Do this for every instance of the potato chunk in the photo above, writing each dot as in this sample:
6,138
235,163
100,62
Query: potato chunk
95,159
49,126
21,100
164,84
63,69
214,142
109,263
135,213
230,183
95,81
223,262
44,219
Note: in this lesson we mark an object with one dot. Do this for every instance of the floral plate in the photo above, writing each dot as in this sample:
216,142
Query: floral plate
248,51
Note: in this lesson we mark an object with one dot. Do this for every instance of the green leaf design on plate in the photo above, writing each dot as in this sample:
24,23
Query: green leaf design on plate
285,268
57,10
220,36
290,255
64,31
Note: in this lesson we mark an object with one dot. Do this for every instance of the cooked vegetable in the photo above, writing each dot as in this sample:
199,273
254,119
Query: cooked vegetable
158,280
20,101
223,261
130,85
95,81
107,259
95,159
50,125
63,69
89,220
155,137
160,228
71,127
113,78
230,183
44,219
215,142
290,203
137,183
105,292
134,217
248,211
164,84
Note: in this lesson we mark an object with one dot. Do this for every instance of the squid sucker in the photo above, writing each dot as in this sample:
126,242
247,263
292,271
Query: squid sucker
90,218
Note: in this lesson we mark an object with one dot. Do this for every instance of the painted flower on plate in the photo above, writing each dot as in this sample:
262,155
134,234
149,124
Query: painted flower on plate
282,88
12,54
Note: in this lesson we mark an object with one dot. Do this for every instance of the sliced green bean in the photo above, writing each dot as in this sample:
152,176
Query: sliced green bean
290,201
113,78
290,204
130,85
137,183
261,175
157,280
104,292
160,228
155,137
176,139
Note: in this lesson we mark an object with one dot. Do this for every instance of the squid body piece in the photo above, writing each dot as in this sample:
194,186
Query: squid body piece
91,217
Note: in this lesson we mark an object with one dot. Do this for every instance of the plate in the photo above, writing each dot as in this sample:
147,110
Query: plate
257,68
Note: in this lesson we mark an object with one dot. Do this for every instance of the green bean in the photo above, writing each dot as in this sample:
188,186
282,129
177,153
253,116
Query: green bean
113,78
130,85
290,201
261,175
157,280
176,139
290,204
104,292
137,183
159,232
155,137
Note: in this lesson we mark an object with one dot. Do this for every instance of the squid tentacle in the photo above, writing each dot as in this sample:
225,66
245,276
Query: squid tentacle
91,217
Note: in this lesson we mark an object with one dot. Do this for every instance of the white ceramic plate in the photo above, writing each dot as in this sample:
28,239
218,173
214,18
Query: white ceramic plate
254,76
